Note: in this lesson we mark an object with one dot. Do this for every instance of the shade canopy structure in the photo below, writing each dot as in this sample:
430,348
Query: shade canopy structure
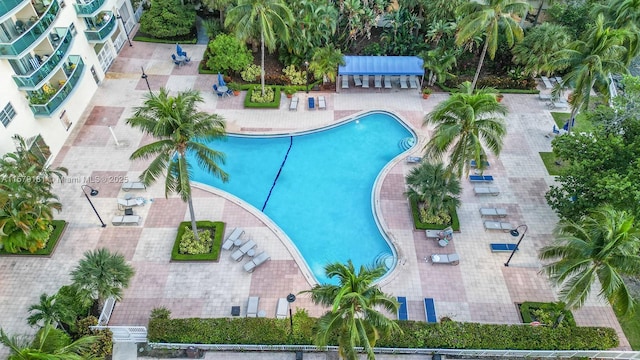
382,65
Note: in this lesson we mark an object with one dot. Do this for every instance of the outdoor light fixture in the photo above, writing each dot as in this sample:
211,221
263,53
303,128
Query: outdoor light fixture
145,77
290,299
125,28
306,65
515,232
93,192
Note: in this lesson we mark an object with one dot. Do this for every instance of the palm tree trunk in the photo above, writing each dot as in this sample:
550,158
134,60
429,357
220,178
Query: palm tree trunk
535,21
262,70
192,214
482,55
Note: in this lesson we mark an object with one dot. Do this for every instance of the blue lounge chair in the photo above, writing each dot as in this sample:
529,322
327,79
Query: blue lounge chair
430,310
480,178
312,103
402,310
503,247
474,164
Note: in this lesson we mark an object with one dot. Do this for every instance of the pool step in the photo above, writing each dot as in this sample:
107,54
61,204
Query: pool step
386,259
407,143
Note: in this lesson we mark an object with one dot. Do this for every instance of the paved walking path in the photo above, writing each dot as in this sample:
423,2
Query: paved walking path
480,289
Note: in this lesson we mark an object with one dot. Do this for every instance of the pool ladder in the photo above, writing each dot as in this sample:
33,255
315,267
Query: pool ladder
407,143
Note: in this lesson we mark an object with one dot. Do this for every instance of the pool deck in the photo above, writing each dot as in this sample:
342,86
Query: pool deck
480,289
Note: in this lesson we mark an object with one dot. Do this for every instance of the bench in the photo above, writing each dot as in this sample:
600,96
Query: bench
430,310
125,220
493,212
402,309
480,178
486,190
503,247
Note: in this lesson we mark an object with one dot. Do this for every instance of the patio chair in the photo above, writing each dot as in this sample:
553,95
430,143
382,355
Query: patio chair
486,190
175,60
430,310
215,89
378,81
452,259
402,309
413,82
473,164
242,251
365,81
322,103
345,81
503,247
125,220
414,159
294,103
356,80
232,238
282,308
136,185
547,83
403,82
312,103
387,82
480,178
256,261
252,306
126,203
493,212
497,225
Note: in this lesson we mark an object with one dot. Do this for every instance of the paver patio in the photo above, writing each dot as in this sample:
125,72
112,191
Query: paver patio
480,289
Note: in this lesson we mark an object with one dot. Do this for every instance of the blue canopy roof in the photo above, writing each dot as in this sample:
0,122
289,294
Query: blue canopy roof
382,65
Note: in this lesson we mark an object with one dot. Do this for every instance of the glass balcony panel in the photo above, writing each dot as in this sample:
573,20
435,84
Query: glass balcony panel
74,76
49,66
90,8
103,33
26,39
8,5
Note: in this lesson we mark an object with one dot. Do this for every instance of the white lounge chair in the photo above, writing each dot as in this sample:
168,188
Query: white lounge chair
493,212
322,103
403,82
486,190
387,82
356,80
242,251
345,81
453,259
126,203
282,308
378,81
256,261
365,81
232,238
252,306
497,225
126,186
413,82
294,103
547,83
414,159
125,220
545,96
558,105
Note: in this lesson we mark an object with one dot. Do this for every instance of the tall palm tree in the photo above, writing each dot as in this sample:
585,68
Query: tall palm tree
539,44
433,187
102,274
177,124
590,61
439,62
325,62
23,348
353,315
488,17
265,17
600,247
467,125
48,310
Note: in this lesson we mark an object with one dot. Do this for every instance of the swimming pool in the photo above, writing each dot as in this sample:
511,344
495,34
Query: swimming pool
317,186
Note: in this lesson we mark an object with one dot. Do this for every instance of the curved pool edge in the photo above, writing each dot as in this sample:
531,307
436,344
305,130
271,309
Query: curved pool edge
277,231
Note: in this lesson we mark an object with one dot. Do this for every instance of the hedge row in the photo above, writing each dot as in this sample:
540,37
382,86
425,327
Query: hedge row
444,335
455,222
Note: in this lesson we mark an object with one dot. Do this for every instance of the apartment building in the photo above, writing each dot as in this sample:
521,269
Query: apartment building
53,56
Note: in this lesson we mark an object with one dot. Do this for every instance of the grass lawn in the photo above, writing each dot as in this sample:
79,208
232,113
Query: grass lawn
549,159
631,328
581,124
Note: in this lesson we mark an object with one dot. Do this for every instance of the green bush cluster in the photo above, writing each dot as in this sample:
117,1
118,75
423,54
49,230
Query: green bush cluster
258,97
496,82
295,77
251,73
275,104
447,335
545,313
216,230
168,19
55,232
442,217
189,244
420,225
227,53
104,344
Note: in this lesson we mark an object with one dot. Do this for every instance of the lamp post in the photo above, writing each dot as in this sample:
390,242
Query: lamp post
515,232
145,77
306,73
125,28
290,299
93,192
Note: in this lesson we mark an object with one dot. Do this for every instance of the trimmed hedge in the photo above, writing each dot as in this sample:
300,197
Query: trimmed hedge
455,222
445,335
217,231
503,91
150,39
527,308
275,104
54,237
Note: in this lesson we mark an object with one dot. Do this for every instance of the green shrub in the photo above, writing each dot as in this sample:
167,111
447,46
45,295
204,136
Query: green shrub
189,244
168,19
56,339
227,53
104,343
257,97
295,77
217,231
275,104
251,73
213,27
546,313
420,225
160,313
55,230
442,217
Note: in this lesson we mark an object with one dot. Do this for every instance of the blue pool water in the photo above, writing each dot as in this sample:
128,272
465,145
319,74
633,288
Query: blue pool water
322,196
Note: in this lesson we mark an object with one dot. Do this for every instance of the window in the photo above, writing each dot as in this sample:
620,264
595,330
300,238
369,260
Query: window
7,114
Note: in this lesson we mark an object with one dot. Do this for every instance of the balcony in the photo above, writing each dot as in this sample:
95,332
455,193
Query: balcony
20,44
35,79
7,5
45,102
89,10
101,29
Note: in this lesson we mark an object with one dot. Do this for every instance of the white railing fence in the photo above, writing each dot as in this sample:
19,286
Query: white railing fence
137,334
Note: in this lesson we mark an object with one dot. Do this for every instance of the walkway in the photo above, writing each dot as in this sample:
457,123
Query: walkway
480,289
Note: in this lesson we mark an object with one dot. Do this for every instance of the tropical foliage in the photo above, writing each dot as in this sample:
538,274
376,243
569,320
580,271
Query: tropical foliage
325,61
354,316
435,190
167,19
48,343
227,53
539,43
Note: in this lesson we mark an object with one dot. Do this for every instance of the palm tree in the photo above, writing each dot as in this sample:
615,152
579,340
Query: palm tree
102,274
488,18
266,17
466,125
353,315
433,188
48,310
325,62
177,124
602,247
590,61
539,44
439,62
23,348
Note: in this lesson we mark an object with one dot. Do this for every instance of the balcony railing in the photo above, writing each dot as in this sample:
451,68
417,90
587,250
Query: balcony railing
101,34
7,5
18,45
89,9
74,76
48,67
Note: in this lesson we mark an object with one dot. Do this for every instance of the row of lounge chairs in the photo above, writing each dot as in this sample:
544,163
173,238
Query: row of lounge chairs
282,308
244,248
429,309
405,82
322,103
